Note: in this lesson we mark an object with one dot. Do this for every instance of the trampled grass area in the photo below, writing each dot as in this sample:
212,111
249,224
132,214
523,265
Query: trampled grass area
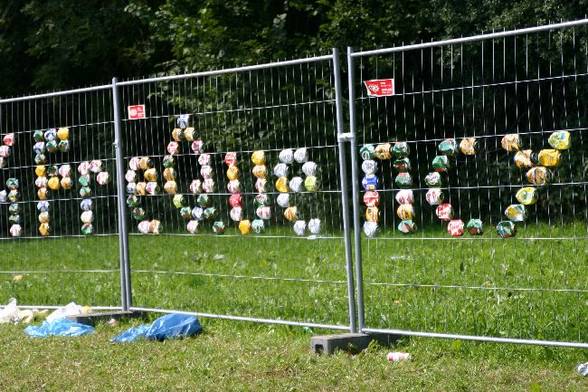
522,287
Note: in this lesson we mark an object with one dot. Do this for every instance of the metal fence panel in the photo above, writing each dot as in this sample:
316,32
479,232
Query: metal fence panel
58,147
238,172
499,91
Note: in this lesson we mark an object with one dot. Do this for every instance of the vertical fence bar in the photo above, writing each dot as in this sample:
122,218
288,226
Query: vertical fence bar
125,273
355,192
344,192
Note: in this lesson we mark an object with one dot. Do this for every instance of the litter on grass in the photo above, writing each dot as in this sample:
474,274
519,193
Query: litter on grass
12,314
171,326
59,327
583,369
71,309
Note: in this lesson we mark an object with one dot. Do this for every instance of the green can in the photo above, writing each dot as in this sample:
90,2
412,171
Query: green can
475,226
448,147
367,152
218,227
441,163
179,201
12,183
138,213
403,180
402,165
14,208
51,146
400,150
506,229
258,226
87,229
63,146
85,191
132,201
84,180
38,136
203,200
14,219
169,161
209,213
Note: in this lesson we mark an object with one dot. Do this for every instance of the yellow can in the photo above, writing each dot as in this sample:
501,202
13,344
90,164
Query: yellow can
372,214
189,134
291,214
549,158
150,175
53,183
170,187
233,172
468,145
63,133
245,227
382,151
282,184
176,134
259,171
42,193
141,189
560,140
258,157
66,183
405,212
169,173
511,142
44,229
40,170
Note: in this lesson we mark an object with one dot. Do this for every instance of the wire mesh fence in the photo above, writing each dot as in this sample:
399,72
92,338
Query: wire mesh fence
233,191
58,226
475,213
237,172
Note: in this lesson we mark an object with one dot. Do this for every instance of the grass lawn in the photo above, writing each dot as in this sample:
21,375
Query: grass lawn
522,287
242,356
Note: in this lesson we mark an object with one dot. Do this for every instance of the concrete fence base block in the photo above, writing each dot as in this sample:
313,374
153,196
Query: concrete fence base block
350,342
93,318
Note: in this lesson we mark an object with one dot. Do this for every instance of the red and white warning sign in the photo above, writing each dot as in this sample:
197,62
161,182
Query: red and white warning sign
136,112
380,87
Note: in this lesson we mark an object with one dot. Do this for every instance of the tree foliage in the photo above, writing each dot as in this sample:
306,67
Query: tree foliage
57,44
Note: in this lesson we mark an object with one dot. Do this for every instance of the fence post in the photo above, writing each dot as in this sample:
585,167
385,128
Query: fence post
344,191
355,191
125,273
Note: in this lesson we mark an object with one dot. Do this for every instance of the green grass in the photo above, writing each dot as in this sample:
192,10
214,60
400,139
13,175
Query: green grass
457,286
232,356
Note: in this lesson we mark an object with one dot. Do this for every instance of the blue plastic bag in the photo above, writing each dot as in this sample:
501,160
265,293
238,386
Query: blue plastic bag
61,327
171,326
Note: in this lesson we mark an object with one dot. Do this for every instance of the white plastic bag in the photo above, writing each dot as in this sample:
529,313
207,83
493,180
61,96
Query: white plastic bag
9,314
71,309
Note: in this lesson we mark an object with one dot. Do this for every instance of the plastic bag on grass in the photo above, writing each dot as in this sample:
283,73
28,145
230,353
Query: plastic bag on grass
171,326
132,334
12,314
61,327
71,309
9,314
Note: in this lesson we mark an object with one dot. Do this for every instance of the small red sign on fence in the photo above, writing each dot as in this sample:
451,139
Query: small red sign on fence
380,87
136,112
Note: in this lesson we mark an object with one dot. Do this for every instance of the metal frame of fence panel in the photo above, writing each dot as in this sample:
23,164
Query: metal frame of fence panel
494,205
237,201
58,225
